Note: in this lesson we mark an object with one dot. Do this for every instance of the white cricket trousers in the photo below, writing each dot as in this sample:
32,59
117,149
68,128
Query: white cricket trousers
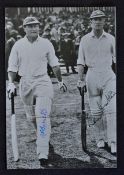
101,87
42,112
37,94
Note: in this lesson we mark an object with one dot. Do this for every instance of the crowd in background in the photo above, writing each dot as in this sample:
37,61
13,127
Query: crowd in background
63,29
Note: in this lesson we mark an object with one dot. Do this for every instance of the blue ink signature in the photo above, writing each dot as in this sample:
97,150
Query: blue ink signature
43,113
108,97
43,125
43,130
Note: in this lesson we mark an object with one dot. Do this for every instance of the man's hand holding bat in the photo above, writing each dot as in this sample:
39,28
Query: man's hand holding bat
11,89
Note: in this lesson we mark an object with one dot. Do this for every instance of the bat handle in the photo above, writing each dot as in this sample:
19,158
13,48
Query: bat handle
12,104
82,90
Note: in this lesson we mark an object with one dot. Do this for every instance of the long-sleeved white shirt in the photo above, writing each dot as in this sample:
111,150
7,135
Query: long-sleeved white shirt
97,52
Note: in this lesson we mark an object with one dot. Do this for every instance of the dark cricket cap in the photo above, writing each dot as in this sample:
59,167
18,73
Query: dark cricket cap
97,14
30,20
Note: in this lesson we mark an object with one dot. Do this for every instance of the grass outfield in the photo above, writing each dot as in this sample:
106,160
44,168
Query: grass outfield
65,136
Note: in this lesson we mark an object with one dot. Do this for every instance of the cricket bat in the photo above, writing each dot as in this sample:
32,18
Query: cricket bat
83,119
13,131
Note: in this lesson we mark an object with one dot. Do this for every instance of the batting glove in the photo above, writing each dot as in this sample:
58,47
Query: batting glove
11,89
62,86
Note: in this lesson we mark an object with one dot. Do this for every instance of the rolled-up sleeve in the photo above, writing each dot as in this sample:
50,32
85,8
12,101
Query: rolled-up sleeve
52,59
13,60
81,56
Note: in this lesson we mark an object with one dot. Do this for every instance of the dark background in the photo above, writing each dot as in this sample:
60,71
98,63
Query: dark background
120,84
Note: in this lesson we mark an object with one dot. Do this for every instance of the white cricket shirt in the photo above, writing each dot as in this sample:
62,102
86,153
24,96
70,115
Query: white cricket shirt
97,52
30,59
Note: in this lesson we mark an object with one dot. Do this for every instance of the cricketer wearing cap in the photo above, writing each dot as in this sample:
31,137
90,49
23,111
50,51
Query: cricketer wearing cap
97,51
29,57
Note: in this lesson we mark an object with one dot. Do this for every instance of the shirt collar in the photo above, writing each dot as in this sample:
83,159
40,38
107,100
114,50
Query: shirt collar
104,34
34,41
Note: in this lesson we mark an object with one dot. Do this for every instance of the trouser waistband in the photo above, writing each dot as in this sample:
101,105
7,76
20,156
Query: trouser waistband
96,69
32,77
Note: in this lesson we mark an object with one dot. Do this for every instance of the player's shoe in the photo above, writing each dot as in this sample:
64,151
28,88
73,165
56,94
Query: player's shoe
45,164
101,144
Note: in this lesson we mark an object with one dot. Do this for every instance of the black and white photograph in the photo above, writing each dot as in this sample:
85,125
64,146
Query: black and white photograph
60,71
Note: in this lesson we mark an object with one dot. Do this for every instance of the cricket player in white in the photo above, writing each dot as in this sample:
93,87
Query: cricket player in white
29,57
97,50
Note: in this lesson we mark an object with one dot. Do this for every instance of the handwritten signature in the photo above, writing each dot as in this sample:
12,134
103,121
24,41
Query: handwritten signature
43,125
43,130
43,113
108,97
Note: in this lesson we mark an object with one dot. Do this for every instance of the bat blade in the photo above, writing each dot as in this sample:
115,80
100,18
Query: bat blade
83,121
14,138
83,131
